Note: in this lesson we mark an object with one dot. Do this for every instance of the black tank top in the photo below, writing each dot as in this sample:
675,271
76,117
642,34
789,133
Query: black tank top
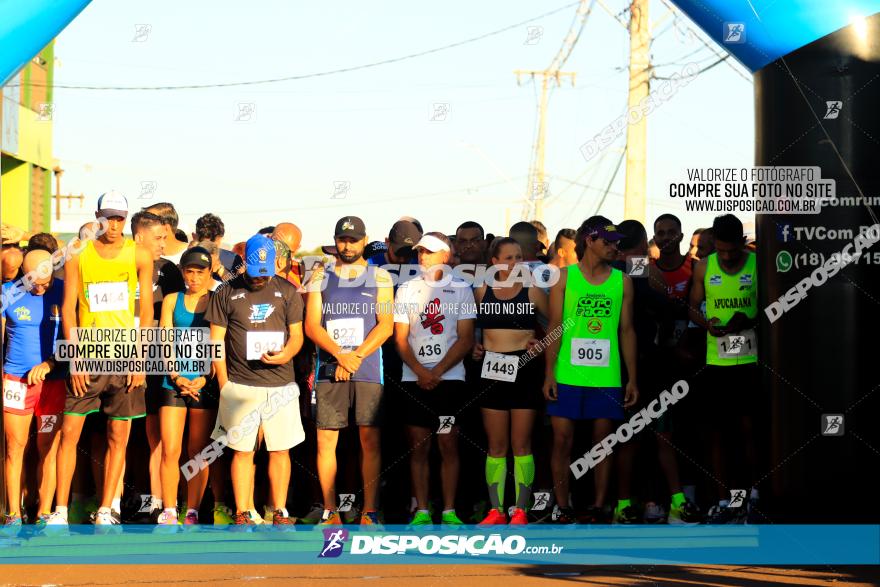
517,313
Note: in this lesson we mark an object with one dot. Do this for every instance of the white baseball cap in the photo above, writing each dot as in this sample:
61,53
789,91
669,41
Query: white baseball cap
112,204
431,243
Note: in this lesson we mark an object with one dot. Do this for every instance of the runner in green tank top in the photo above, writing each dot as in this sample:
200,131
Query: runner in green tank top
727,281
591,307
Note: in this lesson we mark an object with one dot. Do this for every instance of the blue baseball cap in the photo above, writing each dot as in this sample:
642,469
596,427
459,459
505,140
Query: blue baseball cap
259,255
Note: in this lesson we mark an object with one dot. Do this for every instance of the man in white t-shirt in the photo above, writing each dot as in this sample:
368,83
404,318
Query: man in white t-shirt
434,319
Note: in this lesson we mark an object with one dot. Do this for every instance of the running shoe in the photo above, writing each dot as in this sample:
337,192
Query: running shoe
56,519
280,518
222,515
627,515
167,519
495,518
106,518
370,519
191,519
688,514
722,514
519,517
12,520
314,515
563,515
450,519
268,514
243,519
117,517
654,514
332,519
421,519
255,516
42,520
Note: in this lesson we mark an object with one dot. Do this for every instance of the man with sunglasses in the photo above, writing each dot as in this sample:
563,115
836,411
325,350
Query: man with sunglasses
594,302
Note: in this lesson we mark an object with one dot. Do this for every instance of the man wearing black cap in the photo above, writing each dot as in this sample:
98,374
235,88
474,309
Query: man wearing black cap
348,318
583,370
398,247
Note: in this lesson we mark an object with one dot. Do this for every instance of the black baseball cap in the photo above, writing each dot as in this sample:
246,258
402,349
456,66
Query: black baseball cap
198,256
404,235
350,226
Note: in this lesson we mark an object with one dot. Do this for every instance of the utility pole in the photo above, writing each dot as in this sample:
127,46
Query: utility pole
536,190
635,198
58,197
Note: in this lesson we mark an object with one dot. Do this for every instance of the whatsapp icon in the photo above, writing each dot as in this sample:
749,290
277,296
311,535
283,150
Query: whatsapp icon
783,261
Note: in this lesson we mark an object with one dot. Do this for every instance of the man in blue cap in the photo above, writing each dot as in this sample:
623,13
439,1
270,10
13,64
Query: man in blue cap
259,317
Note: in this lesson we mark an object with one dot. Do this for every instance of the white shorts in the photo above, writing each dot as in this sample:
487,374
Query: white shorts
244,409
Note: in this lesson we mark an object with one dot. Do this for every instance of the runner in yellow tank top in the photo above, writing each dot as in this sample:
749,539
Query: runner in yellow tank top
99,290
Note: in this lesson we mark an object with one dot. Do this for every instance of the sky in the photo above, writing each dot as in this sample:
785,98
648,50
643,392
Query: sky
444,137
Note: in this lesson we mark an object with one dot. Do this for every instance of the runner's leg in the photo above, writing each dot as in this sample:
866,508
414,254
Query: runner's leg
17,427
420,441
201,424
371,464
563,438
172,421
70,431
327,440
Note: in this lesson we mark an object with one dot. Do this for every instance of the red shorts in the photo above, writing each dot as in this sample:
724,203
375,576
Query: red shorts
44,400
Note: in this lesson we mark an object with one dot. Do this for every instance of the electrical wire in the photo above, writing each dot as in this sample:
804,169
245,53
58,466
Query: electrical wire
315,74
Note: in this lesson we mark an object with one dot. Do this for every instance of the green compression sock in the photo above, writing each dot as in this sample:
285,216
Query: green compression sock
496,474
524,475
678,499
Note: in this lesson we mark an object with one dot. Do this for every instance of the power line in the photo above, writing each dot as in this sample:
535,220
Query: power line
320,73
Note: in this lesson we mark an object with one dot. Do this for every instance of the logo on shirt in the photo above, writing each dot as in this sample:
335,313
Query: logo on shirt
745,279
715,280
594,306
23,314
278,294
432,318
260,312
238,296
594,325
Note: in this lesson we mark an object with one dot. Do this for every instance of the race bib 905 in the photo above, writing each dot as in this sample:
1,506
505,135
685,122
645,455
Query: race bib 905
590,352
